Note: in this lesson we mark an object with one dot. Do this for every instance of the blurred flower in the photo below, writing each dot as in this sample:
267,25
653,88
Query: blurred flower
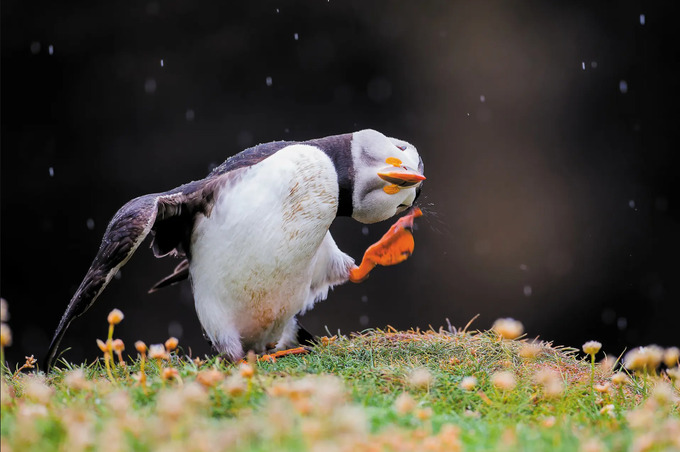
117,345
5,335
420,378
607,364
671,356
76,381
140,346
674,373
608,409
246,370
119,402
104,347
235,385
404,403
620,378
529,350
504,380
424,413
194,394
592,445
115,317
209,378
602,387
37,391
468,383
169,373
169,407
198,361
171,344
157,351
548,421
592,347
664,394
4,312
508,328
550,381
644,358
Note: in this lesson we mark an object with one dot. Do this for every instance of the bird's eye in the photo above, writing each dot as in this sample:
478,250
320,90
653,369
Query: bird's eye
403,148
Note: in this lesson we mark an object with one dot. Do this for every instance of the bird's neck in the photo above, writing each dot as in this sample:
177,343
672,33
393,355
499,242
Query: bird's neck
339,149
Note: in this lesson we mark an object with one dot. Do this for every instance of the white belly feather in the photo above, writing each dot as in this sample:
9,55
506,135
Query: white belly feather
253,257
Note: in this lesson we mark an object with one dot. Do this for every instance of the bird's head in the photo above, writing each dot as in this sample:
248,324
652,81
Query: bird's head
388,174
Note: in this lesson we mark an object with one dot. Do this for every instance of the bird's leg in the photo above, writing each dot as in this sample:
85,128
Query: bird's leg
394,247
278,354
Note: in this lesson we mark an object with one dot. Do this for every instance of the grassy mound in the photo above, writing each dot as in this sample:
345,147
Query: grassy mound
384,390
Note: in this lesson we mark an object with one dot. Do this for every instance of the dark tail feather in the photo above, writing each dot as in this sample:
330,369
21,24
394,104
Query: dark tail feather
180,273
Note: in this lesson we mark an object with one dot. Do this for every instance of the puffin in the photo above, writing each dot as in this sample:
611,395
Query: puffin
254,235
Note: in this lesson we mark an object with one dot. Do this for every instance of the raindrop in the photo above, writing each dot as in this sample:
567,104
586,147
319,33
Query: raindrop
523,267
364,298
35,48
468,114
482,98
363,320
51,171
162,63
118,275
150,86
593,64
364,230
175,329
277,10
527,291
622,323
642,19
50,49
90,224
268,81
631,204
190,115
296,36
623,86
583,65
286,130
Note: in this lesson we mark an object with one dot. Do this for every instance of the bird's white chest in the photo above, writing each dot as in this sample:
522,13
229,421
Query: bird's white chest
251,258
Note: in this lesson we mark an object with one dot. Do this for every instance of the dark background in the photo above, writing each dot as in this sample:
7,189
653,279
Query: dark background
548,131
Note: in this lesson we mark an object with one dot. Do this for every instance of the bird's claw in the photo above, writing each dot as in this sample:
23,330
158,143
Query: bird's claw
394,247
271,357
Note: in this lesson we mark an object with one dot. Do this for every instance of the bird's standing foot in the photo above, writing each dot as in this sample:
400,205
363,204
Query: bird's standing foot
394,247
281,353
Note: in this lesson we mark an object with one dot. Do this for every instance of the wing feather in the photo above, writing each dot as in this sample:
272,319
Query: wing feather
128,228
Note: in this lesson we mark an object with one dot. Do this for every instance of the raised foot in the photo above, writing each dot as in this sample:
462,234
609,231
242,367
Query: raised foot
281,353
394,247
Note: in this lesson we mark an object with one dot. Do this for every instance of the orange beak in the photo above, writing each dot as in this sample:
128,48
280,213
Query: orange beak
402,176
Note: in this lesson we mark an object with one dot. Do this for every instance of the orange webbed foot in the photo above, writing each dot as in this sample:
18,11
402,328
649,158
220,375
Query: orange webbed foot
281,353
394,247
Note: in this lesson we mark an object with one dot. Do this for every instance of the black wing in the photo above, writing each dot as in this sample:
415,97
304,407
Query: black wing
169,217
128,228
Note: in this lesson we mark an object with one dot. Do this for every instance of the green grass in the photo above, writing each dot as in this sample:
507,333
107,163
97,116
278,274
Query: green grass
341,396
